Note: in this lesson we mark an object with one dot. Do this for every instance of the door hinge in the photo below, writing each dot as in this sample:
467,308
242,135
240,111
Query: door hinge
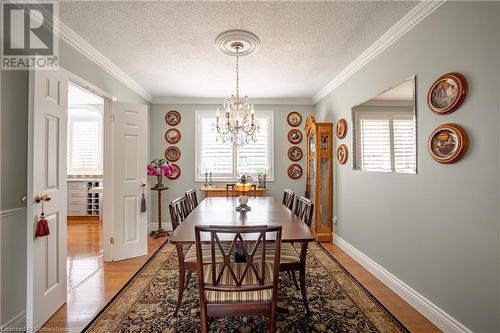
111,240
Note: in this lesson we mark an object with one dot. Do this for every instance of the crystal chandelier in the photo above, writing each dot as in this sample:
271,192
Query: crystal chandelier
238,125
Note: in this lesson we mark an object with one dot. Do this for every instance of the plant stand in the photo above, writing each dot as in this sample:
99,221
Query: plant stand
160,232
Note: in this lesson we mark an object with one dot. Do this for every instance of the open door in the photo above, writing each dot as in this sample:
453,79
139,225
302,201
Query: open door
46,256
123,175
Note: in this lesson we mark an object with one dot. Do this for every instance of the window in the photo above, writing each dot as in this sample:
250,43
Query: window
84,140
227,162
385,141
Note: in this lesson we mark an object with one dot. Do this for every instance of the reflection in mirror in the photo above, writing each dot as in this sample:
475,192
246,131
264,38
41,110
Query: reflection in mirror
384,131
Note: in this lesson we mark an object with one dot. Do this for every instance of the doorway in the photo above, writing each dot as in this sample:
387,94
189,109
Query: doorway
84,184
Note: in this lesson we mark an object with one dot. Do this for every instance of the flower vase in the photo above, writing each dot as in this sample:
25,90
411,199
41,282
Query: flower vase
159,180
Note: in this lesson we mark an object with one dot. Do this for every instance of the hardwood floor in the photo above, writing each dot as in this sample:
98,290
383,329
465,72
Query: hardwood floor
92,283
404,312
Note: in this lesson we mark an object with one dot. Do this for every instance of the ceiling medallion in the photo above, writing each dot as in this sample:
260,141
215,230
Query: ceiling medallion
248,42
238,125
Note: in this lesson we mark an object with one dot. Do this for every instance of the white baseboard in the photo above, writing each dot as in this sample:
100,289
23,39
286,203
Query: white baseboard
16,323
431,311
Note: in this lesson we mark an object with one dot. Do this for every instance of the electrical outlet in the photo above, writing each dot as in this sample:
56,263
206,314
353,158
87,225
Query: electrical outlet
335,220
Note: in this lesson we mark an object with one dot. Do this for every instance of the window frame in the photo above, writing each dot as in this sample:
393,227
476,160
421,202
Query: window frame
385,113
200,177
84,172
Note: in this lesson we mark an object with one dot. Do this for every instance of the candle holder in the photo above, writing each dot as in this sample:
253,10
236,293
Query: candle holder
206,179
210,182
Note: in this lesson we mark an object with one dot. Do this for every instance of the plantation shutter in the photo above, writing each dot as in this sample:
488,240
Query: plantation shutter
375,144
405,155
256,155
84,144
213,154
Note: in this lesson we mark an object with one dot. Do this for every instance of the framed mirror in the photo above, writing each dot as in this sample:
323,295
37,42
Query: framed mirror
385,131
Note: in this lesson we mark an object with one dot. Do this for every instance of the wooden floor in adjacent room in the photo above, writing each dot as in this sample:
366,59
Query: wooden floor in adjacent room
92,283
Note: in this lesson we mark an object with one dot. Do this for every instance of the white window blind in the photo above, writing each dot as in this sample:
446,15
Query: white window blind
84,140
375,145
213,154
405,153
224,160
385,142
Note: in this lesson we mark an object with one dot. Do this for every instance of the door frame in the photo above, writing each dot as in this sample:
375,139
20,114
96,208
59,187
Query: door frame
107,212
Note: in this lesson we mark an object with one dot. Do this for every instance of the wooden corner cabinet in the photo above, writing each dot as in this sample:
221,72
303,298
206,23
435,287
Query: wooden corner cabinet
319,176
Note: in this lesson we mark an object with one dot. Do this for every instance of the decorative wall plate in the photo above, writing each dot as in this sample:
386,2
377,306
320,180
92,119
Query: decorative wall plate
173,136
173,118
341,128
295,136
176,172
448,143
295,153
342,154
295,171
172,153
294,119
447,93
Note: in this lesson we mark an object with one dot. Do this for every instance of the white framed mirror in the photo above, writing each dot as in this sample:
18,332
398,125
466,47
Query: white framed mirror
385,131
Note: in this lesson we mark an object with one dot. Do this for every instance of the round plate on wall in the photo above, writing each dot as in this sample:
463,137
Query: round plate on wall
447,93
173,118
341,128
295,153
342,154
295,171
172,153
173,136
295,136
294,119
448,143
176,172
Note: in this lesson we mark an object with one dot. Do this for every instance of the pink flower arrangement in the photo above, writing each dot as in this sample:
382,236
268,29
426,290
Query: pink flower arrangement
159,168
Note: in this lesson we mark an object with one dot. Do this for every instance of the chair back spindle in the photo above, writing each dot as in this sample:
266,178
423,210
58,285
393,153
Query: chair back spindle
179,210
304,209
288,197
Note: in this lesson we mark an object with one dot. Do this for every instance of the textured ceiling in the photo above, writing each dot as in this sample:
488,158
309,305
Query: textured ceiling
168,47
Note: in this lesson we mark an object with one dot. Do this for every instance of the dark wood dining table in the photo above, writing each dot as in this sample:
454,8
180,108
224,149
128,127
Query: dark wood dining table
222,211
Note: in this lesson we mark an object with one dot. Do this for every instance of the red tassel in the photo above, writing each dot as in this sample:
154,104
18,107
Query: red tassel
42,227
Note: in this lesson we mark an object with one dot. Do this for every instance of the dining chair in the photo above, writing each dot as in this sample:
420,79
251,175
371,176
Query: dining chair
229,288
186,255
192,199
230,190
288,197
293,261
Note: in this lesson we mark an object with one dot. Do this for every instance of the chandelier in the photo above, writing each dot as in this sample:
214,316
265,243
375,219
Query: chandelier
238,125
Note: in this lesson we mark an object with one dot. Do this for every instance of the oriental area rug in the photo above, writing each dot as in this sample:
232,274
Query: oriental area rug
337,301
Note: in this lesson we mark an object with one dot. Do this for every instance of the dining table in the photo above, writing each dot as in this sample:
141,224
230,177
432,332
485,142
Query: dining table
222,211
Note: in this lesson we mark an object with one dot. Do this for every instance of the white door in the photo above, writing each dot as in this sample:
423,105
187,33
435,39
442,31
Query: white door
46,257
128,172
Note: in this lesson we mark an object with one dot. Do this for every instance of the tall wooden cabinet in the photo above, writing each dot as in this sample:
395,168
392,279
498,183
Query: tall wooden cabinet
319,176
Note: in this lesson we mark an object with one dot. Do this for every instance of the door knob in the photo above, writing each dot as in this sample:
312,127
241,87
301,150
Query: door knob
42,197
24,199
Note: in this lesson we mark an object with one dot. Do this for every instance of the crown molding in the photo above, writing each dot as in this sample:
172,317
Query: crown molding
411,19
74,40
219,101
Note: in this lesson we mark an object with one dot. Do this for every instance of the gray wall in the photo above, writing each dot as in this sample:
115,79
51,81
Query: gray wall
438,230
14,124
177,187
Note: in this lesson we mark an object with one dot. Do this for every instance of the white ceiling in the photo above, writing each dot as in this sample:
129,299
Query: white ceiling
168,47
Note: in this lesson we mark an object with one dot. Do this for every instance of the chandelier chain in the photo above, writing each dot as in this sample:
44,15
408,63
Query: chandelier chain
237,72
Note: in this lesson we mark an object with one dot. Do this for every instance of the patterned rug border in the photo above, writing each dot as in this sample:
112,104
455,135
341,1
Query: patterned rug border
370,295
125,286
317,247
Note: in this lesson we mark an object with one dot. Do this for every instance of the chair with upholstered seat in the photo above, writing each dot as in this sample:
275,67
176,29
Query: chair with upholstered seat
229,288
187,256
293,261
288,197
